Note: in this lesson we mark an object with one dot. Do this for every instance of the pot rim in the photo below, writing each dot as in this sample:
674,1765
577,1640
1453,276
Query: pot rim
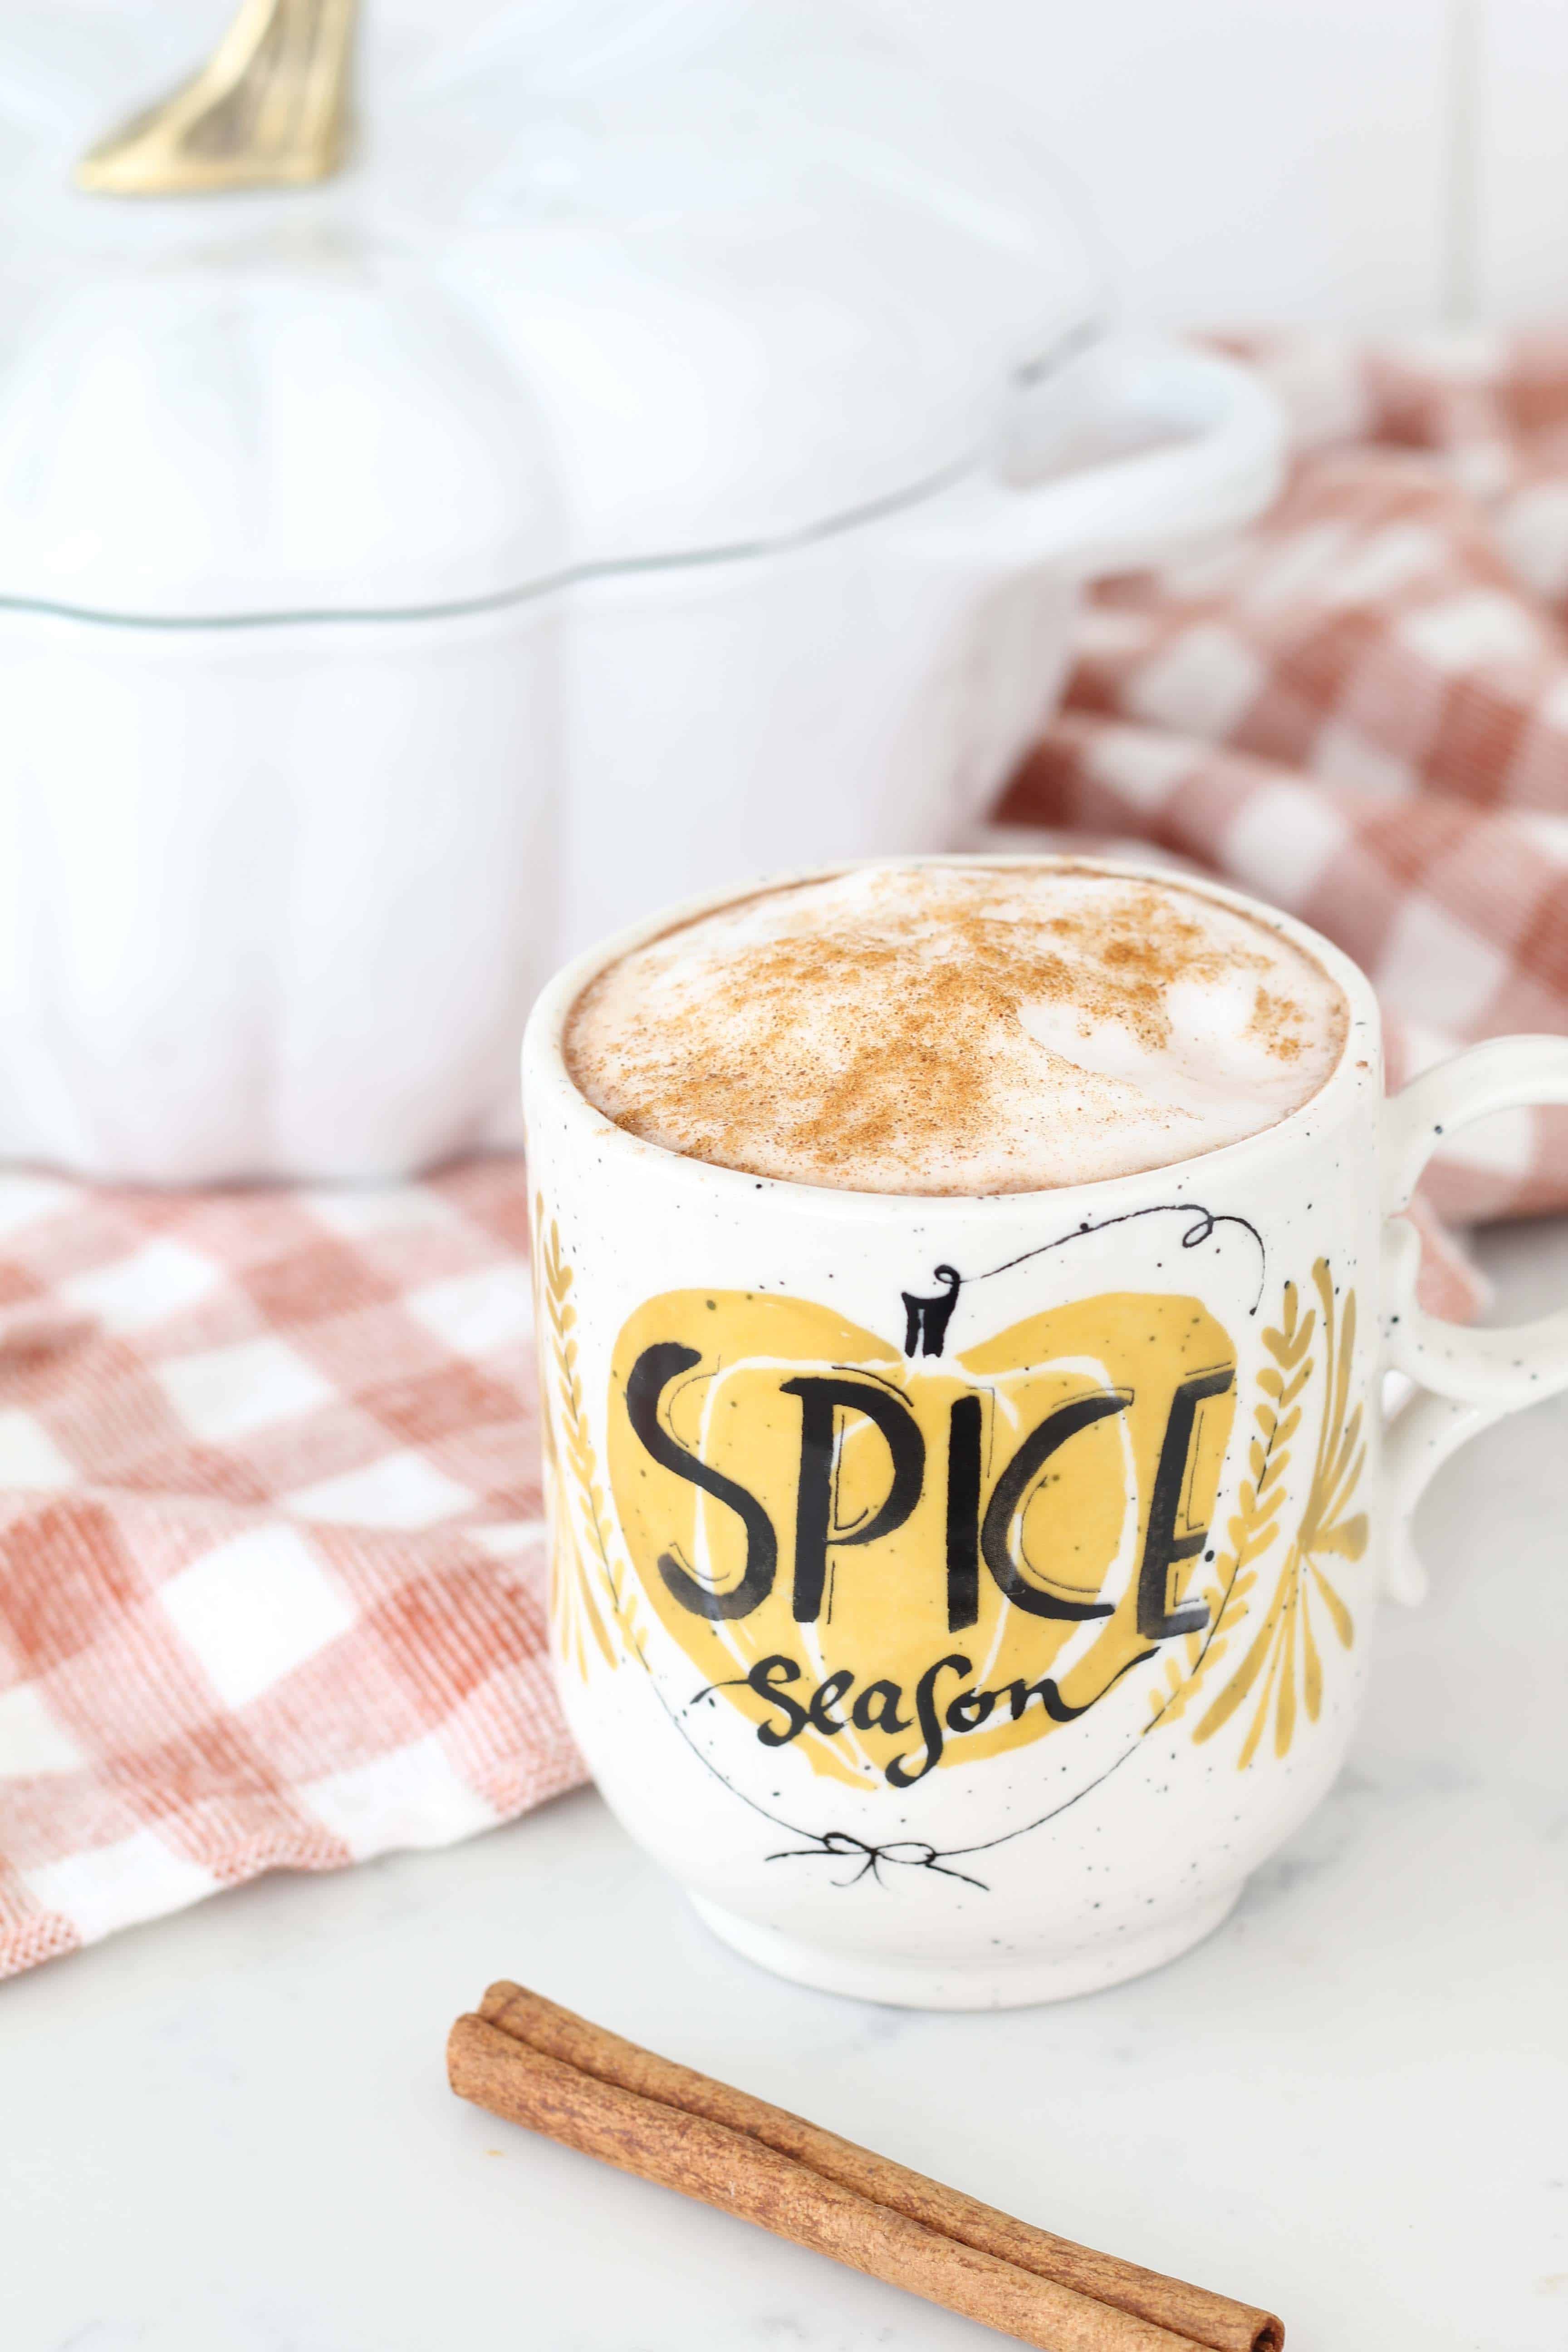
560,583
1027,378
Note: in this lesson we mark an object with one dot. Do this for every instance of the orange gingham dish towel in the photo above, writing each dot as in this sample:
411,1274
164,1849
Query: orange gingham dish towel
1359,710
271,1561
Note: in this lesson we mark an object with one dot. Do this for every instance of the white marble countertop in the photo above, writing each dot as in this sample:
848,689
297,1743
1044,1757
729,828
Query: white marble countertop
231,2132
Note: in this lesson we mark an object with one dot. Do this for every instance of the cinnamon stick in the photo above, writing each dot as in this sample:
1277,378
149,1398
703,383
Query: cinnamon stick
1191,2313
742,2175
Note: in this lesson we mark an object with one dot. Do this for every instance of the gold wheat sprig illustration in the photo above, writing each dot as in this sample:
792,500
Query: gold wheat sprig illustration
1284,1661
1255,1523
576,1566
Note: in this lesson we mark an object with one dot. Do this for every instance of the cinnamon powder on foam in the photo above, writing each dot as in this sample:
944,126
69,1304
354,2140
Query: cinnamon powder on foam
878,1044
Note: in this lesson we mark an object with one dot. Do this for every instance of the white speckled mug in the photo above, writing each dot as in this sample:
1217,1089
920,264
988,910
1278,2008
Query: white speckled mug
961,1595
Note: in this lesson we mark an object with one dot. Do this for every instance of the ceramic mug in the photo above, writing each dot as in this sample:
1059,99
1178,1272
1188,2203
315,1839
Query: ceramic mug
961,1595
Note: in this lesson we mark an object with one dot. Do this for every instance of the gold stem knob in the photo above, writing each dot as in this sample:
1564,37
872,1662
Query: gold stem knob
269,108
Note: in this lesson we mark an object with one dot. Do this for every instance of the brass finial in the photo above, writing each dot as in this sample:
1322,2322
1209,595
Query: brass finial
267,109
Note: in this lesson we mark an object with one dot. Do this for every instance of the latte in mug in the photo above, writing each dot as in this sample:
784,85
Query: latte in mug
965,1293
958,1029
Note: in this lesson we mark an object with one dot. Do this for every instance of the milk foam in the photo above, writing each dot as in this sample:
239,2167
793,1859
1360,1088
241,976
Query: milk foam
958,1029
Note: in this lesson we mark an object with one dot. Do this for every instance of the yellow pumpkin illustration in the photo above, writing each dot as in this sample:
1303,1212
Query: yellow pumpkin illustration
893,1564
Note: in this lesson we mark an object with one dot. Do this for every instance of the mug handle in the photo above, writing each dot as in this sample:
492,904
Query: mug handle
1465,1380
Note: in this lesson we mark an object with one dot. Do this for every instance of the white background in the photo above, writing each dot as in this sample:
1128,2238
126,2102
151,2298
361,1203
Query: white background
1387,162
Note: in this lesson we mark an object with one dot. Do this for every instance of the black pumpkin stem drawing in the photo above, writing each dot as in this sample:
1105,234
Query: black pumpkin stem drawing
926,1319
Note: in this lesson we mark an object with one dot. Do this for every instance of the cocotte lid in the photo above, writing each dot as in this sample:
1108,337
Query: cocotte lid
604,283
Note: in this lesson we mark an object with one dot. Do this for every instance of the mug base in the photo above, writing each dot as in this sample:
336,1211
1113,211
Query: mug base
1022,1983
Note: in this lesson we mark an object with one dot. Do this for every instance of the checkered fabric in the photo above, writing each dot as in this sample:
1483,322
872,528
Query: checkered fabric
1359,710
270,1553
271,1561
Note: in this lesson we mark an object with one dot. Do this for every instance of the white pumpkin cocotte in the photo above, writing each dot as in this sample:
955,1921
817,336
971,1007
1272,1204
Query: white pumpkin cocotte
408,578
